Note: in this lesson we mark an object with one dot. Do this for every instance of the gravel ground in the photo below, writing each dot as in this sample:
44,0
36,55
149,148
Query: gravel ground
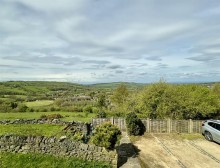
165,150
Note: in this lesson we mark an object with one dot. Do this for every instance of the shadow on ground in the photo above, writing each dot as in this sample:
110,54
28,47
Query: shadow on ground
125,151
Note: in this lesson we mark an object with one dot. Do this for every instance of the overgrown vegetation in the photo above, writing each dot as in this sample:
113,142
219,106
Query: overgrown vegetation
106,135
19,160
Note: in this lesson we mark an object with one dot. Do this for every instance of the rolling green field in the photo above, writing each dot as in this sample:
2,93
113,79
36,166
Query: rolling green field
11,160
39,103
31,129
68,116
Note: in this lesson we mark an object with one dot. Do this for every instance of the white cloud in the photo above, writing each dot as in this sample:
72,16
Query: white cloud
55,5
98,37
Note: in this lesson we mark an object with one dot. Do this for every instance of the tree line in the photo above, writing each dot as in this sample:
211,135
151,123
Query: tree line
159,100
162,100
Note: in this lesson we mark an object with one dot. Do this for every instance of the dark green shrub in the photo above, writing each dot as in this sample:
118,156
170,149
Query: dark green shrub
134,124
43,116
44,110
76,109
14,105
101,114
31,110
52,109
119,114
106,135
95,110
22,108
87,109
51,116
54,116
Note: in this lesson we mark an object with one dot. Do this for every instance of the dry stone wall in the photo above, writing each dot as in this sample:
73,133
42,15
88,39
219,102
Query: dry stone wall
57,147
34,121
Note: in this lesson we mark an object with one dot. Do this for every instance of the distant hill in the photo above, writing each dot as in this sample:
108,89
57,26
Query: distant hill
36,87
130,86
33,88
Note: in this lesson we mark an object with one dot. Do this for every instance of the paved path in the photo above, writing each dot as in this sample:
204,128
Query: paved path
126,154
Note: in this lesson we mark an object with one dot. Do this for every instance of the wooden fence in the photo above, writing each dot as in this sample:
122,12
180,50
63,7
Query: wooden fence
157,126
120,122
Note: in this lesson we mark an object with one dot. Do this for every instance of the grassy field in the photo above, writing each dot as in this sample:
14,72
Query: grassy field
45,161
68,116
31,129
39,103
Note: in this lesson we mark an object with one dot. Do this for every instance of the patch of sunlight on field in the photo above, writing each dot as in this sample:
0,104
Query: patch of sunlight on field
39,103
68,116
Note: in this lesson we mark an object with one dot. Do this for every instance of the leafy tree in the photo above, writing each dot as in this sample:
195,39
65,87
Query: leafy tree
216,89
120,95
101,102
162,100
153,100
119,100
198,102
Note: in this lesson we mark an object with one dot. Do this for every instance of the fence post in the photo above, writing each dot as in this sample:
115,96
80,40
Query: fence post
168,125
190,126
148,125
112,120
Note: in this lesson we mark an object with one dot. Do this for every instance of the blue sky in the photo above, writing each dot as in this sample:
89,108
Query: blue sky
95,41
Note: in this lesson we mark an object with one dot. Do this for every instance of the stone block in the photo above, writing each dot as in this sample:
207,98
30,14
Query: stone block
84,146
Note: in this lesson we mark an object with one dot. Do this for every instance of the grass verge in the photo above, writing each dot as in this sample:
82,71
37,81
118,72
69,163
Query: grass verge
175,136
191,136
19,160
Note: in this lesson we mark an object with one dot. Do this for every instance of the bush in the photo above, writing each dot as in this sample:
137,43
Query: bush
31,110
43,110
87,109
52,109
134,124
101,114
51,116
77,136
43,116
95,110
22,108
76,109
119,114
106,135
